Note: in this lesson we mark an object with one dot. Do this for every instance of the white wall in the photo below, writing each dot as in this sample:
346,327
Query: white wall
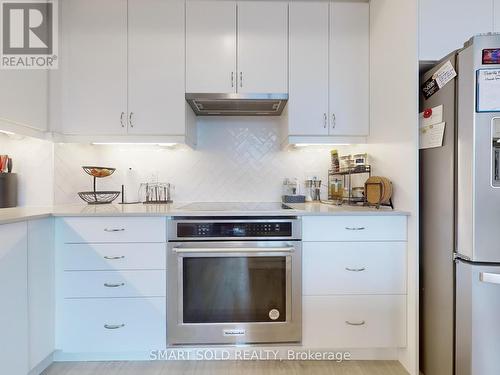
237,159
394,138
446,24
33,162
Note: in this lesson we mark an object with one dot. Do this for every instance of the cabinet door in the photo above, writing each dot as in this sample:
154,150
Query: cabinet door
308,96
333,268
344,322
210,46
41,286
94,64
349,68
13,286
262,47
23,97
156,67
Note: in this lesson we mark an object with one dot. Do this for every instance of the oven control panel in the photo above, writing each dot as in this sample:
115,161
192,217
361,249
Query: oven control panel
234,229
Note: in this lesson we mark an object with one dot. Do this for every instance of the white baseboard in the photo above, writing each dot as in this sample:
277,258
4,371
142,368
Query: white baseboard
38,369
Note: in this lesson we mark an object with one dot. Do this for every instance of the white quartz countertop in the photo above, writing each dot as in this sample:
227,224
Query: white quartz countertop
11,215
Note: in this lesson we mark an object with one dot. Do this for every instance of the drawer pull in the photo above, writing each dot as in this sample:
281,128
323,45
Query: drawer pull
114,326
108,285
114,258
355,269
355,228
492,278
114,230
362,323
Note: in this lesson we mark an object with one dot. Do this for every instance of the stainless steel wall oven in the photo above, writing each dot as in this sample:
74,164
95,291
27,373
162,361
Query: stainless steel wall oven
234,280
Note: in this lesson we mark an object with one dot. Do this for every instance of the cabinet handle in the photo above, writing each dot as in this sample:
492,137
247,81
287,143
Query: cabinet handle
108,285
325,120
114,326
130,119
121,119
361,323
114,230
355,228
114,258
334,121
232,79
241,79
355,269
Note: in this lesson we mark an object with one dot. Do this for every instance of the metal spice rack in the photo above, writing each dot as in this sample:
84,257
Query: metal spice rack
346,175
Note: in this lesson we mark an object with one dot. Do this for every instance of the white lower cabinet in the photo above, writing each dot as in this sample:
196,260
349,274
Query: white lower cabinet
13,294
112,230
354,228
114,256
41,290
331,268
102,284
354,273
111,274
364,321
109,325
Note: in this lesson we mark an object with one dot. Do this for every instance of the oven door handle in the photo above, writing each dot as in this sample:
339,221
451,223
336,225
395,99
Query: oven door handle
233,250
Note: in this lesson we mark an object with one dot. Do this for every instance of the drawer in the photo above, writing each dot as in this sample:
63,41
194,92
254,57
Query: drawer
113,256
98,284
112,325
344,322
112,229
330,268
354,228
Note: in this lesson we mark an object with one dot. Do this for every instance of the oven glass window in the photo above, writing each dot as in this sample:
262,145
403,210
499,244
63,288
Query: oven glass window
234,289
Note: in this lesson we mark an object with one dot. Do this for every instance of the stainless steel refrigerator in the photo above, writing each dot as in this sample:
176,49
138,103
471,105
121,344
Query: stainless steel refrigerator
460,216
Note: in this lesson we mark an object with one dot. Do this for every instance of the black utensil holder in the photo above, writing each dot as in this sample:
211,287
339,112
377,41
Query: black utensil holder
8,190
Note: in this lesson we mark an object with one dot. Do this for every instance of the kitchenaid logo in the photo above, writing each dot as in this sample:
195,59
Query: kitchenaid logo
29,34
234,332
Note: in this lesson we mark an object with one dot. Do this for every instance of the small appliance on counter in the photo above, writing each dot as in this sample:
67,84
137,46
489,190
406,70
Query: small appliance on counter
8,183
98,197
292,191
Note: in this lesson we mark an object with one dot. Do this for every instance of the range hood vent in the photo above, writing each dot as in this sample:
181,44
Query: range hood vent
237,104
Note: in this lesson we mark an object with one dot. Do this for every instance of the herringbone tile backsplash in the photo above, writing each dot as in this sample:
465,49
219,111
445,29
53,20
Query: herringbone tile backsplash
236,160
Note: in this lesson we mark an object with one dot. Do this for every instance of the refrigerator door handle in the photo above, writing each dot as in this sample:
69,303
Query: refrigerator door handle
491,278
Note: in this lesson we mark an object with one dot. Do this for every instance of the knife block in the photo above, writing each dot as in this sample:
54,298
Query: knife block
8,190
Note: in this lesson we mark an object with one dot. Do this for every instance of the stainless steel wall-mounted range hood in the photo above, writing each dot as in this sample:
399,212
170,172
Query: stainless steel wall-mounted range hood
237,104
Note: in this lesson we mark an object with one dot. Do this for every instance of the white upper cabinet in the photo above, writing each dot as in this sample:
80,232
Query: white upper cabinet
236,47
329,71
94,66
349,68
123,67
210,46
23,98
446,24
156,67
262,47
308,96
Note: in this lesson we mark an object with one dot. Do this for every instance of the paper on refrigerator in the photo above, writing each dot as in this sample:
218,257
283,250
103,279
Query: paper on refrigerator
435,117
431,135
431,128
